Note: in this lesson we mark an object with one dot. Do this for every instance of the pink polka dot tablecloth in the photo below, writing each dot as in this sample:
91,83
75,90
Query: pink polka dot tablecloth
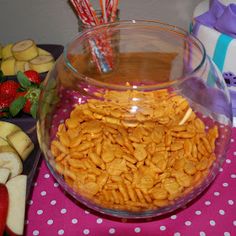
51,212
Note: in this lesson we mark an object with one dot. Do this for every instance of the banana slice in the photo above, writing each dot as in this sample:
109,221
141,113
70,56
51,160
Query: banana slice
6,51
43,52
20,66
41,63
7,128
21,142
25,50
9,159
8,66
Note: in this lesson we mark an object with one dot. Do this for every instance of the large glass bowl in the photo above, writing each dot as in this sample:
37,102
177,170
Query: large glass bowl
134,119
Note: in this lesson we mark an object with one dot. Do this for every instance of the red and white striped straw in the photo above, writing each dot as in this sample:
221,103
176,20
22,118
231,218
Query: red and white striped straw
92,12
104,12
114,11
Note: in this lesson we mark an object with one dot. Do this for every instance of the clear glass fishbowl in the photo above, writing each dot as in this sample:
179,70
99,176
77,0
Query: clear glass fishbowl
134,120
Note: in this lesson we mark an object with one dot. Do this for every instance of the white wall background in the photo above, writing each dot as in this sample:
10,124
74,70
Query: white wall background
54,22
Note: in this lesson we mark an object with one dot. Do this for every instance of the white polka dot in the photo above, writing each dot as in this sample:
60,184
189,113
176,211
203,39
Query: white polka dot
198,213
56,185
112,231
30,202
86,212
202,233
221,169
26,222
35,184
212,223
46,176
216,193
50,222
99,220
64,110
231,202
232,140
43,193
173,217
61,121
187,223
39,212
53,202
137,230
162,228
74,221
234,222
228,161
225,184
35,232
207,203
233,176
63,211
86,231
221,212
60,232
227,234
177,234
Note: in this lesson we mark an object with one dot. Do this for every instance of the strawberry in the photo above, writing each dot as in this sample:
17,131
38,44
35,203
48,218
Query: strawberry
27,99
4,106
4,103
9,88
33,76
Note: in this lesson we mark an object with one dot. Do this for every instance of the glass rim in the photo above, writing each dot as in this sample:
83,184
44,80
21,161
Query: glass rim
138,23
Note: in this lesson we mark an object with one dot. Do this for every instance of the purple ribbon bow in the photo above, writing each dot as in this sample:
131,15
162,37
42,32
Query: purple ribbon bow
220,17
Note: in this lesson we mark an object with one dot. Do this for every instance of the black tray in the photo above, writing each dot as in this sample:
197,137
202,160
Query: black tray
28,124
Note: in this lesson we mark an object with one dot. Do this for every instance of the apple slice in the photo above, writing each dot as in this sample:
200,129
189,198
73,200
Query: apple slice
21,142
10,159
3,207
17,200
4,175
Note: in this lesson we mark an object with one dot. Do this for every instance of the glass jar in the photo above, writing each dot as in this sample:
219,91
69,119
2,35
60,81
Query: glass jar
143,138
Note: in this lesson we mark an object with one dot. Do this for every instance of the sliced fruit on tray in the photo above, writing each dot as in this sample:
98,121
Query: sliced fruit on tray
14,140
17,200
20,56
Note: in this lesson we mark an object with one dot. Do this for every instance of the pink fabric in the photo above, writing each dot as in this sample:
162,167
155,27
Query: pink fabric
50,212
